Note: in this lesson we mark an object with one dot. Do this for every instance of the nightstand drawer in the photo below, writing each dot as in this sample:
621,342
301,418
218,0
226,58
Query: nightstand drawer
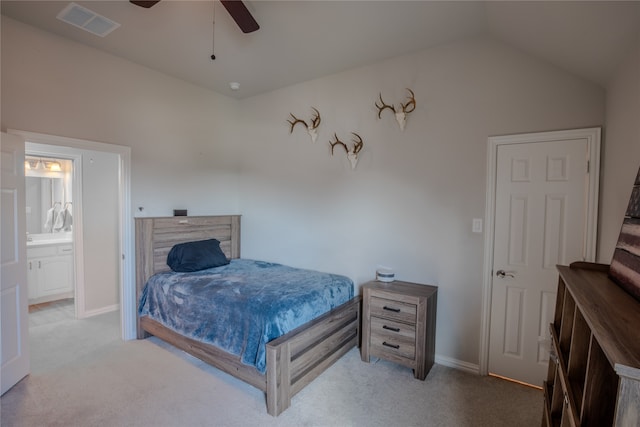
399,346
394,330
394,310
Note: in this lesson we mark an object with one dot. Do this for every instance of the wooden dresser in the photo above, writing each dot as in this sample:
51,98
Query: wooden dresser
399,324
594,371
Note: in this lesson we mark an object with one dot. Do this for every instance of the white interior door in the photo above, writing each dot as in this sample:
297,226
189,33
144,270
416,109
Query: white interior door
541,199
13,295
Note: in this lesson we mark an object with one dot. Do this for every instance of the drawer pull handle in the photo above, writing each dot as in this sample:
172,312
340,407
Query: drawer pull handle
386,344
390,328
395,310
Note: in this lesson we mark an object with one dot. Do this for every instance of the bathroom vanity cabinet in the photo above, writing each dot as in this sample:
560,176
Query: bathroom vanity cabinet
50,273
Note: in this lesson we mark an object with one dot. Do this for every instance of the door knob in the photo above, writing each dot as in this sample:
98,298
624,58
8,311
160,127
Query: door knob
502,274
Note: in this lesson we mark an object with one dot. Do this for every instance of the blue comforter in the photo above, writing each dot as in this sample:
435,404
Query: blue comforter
241,306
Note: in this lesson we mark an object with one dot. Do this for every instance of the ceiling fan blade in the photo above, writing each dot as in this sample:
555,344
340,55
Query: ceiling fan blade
241,15
145,4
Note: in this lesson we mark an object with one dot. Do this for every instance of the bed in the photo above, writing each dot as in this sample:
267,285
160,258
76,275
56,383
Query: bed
291,360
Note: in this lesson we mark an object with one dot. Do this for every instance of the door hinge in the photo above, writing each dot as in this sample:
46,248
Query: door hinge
588,166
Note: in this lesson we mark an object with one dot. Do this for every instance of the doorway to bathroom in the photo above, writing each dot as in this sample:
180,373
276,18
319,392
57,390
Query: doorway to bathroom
101,229
50,244
95,239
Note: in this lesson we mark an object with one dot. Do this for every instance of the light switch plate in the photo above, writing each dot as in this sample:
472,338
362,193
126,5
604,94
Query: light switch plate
476,225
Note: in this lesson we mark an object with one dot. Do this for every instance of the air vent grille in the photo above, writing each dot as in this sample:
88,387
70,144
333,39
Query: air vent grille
86,19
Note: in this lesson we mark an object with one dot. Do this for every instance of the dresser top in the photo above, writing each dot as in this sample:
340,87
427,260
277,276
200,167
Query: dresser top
612,314
404,288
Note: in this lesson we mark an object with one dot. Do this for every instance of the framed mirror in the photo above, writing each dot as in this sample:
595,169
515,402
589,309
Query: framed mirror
42,195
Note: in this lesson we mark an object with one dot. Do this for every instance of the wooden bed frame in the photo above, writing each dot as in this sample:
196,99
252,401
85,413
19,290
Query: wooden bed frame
293,360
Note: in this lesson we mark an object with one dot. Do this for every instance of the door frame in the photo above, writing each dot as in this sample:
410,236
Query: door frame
593,136
126,273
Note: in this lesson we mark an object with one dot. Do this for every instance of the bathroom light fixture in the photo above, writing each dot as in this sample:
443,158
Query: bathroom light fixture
44,165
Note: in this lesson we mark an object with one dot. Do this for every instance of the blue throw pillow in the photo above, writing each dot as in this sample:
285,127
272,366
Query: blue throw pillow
195,256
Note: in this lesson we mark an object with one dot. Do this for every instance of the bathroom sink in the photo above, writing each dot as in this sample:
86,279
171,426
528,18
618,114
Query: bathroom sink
48,238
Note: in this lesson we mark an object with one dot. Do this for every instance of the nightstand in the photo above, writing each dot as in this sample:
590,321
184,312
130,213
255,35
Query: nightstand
399,324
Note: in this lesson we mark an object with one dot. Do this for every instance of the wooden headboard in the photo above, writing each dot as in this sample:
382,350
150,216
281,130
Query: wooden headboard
156,236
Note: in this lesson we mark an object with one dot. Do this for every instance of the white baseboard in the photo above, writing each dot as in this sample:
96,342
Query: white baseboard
50,298
103,310
457,364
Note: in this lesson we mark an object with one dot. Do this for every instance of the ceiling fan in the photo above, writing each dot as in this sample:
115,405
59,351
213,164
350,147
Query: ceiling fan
236,9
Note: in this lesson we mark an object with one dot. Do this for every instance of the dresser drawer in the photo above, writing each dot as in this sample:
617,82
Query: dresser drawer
394,310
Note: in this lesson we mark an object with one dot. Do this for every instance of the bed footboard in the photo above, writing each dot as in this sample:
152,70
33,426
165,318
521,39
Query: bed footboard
208,353
295,359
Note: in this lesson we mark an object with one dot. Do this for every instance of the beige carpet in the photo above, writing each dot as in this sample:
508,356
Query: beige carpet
83,375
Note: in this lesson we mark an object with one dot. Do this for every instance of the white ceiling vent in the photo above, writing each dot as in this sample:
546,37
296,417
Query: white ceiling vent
88,20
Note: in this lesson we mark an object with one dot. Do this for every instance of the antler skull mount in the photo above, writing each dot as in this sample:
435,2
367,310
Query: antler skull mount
352,153
402,111
312,127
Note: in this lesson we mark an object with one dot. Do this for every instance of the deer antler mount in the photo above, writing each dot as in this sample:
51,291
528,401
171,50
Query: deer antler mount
401,112
352,153
311,127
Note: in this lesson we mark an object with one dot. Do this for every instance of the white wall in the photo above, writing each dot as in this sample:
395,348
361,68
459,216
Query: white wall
100,195
621,150
182,137
409,203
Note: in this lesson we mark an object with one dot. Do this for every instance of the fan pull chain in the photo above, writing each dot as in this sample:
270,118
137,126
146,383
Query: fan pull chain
213,33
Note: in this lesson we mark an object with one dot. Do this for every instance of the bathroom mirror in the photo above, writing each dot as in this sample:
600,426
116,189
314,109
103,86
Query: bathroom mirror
41,195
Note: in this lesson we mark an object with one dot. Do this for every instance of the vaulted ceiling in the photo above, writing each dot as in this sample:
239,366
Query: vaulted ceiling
302,40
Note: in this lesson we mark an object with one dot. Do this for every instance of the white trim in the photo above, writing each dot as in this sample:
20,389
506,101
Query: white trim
128,303
127,282
592,135
103,310
472,368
